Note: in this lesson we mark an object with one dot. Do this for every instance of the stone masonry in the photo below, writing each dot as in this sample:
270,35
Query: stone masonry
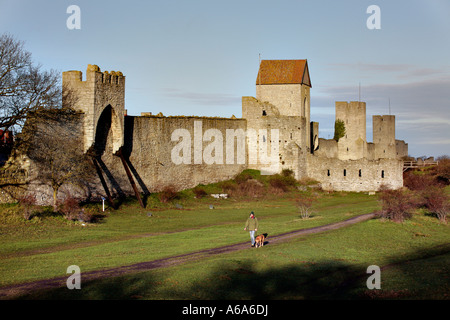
183,152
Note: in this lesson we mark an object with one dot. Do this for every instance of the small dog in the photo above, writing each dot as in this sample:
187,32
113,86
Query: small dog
259,240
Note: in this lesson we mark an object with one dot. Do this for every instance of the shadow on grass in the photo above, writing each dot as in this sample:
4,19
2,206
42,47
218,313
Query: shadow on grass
325,280
422,275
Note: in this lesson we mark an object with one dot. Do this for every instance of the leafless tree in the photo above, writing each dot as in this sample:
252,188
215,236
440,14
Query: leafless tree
24,87
304,205
54,144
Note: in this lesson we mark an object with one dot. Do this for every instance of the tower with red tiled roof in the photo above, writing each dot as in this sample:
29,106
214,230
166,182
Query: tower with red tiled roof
286,85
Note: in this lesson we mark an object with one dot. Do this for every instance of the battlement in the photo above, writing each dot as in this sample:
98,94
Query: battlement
94,76
94,95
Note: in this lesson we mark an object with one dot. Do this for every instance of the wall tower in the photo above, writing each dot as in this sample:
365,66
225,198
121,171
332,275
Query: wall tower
101,97
353,145
384,136
286,85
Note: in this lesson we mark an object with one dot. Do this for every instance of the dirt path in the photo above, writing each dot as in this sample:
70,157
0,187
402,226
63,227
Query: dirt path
12,291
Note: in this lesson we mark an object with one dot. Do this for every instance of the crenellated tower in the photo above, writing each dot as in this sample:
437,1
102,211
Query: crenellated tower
384,137
102,99
353,145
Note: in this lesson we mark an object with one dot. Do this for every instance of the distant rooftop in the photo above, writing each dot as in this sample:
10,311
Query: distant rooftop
283,72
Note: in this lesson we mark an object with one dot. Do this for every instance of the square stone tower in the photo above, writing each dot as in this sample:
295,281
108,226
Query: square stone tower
353,145
384,137
286,85
101,92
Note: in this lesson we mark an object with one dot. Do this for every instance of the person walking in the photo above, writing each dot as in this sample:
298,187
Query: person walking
252,225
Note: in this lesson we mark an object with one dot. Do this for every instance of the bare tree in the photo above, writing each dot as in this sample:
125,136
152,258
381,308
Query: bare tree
54,143
304,205
24,87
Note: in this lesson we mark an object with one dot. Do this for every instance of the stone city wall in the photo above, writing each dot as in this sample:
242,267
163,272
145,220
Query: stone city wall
355,175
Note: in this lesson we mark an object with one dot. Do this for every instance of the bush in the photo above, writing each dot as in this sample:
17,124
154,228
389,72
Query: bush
437,202
397,205
199,192
287,173
70,208
281,182
28,203
442,171
250,188
304,206
91,214
228,186
168,194
339,130
418,182
247,175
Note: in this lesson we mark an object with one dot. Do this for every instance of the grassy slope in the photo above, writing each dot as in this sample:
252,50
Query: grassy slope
326,265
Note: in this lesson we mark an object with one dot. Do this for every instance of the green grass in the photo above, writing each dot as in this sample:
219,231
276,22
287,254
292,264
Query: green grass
331,265
327,265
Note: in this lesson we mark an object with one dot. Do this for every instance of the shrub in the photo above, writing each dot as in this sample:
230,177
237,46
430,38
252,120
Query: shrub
304,206
281,182
70,208
243,177
397,204
339,130
250,188
28,203
247,175
437,202
199,192
418,182
442,171
91,214
228,186
287,173
168,194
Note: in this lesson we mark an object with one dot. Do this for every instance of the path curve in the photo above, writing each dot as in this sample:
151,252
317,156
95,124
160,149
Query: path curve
10,292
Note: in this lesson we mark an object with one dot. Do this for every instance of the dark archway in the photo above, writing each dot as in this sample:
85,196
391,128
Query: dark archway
102,131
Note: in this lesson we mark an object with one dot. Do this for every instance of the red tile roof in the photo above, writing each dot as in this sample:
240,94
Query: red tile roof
283,72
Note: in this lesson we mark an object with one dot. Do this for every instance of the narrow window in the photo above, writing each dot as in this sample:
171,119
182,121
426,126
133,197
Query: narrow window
345,173
382,173
264,113
328,172
359,173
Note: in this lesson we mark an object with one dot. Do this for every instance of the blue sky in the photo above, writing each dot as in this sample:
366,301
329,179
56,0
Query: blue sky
200,57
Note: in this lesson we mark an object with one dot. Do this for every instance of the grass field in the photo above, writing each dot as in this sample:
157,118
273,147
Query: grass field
414,255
